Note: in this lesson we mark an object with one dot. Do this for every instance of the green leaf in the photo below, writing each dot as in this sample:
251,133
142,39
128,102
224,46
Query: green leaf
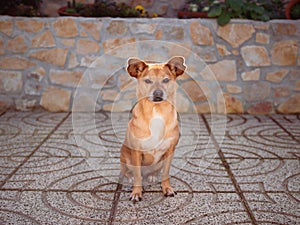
264,18
215,11
253,15
235,5
259,10
223,19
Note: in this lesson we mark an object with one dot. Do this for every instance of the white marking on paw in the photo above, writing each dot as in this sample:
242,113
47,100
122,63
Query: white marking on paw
152,179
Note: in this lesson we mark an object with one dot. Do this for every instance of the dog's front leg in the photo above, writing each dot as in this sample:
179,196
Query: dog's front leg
136,194
165,184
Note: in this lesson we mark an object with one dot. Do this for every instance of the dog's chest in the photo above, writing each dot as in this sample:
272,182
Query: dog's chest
157,144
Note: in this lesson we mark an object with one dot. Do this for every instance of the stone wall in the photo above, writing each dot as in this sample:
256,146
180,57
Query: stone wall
64,64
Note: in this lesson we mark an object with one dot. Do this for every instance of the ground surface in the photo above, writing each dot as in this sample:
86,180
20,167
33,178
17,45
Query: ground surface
63,168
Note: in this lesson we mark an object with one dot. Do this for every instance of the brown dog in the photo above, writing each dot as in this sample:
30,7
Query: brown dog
153,131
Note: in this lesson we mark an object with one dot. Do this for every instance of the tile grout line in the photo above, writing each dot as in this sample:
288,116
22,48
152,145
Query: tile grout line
284,129
34,151
230,173
2,112
119,190
116,199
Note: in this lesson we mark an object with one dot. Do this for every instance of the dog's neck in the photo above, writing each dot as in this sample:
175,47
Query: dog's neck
156,107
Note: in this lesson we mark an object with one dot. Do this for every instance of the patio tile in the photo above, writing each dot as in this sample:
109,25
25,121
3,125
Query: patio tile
197,166
260,147
108,140
290,123
22,146
71,147
30,123
184,208
283,210
246,125
31,207
52,173
80,123
273,176
7,166
62,173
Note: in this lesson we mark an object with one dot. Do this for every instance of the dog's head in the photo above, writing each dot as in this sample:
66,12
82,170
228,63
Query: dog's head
156,81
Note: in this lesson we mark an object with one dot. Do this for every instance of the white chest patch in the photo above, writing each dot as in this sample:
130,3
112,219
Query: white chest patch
156,144
161,149
157,129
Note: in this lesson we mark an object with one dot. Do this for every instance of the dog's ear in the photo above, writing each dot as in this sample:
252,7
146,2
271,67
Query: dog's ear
176,65
136,67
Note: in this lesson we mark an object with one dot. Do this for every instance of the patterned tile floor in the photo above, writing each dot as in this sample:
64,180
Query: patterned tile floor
62,168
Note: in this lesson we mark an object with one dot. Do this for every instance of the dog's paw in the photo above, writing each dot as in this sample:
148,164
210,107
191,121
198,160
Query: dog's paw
169,192
136,194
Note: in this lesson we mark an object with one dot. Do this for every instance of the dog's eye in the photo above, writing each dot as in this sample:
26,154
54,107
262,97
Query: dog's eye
166,80
148,81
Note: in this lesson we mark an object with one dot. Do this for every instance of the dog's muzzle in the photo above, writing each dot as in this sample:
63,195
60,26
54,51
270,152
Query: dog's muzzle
158,95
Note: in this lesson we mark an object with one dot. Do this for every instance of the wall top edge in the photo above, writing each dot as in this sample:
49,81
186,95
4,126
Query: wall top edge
153,20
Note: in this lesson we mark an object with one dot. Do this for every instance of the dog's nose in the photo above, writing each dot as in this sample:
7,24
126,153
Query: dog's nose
158,95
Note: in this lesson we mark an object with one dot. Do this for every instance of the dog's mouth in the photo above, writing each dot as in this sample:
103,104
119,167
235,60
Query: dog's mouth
157,99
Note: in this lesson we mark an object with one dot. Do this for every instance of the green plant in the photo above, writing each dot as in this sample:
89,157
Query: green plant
20,7
102,8
295,11
274,8
202,5
224,11
74,7
26,10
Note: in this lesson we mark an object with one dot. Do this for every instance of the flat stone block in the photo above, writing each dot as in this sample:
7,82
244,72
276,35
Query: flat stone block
284,53
277,76
229,104
93,28
261,108
17,45
262,38
139,28
291,105
251,75
11,82
43,40
16,63
67,78
6,27
56,99
200,34
236,34
65,27
224,70
121,47
257,92
55,56
87,47
31,26
255,56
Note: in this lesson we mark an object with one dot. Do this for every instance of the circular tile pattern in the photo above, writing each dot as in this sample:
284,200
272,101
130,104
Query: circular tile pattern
43,119
243,161
292,187
89,192
265,135
8,131
14,217
50,158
